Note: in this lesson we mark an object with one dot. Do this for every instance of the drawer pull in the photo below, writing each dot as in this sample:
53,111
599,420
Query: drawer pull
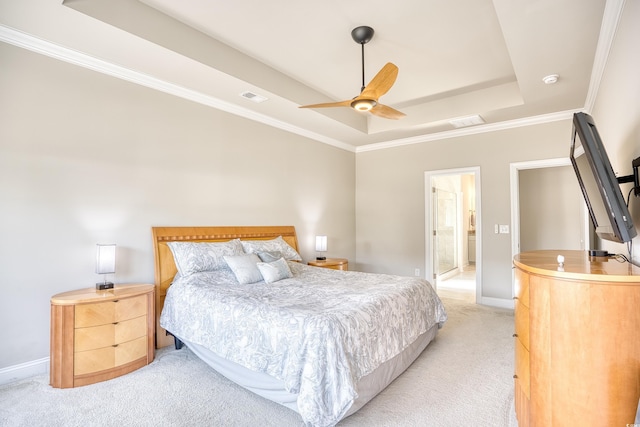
515,297
114,345
515,376
115,323
116,300
515,335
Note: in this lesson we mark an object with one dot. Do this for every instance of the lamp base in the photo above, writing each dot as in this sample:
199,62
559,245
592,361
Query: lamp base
103,286
321,258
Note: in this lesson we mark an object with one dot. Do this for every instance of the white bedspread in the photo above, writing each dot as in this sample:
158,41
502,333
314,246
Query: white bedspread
318,332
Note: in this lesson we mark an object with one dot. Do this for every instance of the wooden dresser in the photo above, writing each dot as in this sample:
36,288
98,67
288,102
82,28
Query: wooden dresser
577,340
99,335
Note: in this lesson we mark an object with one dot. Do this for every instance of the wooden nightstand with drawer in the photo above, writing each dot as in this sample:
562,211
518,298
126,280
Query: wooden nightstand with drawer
100,335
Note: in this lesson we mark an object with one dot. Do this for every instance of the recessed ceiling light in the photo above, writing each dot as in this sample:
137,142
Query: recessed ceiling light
462,122
253,97
550,79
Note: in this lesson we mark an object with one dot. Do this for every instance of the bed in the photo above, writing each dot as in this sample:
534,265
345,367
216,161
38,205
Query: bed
319,341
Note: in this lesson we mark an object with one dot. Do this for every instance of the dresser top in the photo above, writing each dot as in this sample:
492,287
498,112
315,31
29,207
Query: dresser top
91,295
578,265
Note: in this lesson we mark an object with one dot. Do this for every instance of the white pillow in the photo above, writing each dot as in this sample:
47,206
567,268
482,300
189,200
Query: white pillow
193,257
274,271
244,267
270,256
278,244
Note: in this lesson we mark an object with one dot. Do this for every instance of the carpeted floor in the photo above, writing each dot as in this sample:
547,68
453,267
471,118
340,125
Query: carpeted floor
463,378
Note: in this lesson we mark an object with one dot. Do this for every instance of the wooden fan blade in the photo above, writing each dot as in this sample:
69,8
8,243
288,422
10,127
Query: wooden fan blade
329,104
381,83
386,112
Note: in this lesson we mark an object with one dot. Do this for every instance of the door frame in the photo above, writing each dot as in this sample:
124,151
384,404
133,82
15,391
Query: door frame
515,169
428,210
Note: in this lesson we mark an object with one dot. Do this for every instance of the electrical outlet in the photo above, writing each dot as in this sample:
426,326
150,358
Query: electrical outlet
497,229
417,272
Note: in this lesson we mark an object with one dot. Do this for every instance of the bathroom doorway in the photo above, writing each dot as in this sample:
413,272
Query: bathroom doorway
452,223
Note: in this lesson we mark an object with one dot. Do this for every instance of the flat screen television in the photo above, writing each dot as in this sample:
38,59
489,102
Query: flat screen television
600,187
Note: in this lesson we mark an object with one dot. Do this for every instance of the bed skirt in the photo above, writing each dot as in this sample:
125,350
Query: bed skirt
273,389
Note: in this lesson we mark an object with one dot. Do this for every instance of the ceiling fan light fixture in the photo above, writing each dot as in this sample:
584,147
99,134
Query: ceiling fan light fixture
367,100
363,104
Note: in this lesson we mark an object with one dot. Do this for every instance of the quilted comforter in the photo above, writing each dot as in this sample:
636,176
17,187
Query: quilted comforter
318,332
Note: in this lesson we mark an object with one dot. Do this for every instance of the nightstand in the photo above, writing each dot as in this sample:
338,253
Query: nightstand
100,335
333,263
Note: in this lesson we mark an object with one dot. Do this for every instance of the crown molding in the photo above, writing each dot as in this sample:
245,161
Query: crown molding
611,18
610,21
474,130
81,59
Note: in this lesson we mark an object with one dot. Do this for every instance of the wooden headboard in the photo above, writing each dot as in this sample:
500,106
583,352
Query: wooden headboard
165,267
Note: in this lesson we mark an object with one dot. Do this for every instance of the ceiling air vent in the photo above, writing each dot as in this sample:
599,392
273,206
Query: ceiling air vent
253,97
467,121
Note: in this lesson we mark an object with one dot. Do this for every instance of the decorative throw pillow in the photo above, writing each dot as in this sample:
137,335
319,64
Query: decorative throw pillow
274,271
244,267
270,256
193,257
278,244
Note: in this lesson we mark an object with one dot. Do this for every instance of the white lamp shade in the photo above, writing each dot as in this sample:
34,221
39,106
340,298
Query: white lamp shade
321,243
106,259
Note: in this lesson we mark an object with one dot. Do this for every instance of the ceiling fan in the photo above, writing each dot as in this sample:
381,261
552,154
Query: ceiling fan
378,86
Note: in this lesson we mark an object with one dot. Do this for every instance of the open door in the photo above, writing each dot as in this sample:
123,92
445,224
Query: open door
452,225
445,212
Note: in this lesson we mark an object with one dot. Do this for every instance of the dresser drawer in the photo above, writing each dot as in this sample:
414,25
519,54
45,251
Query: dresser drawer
112,333
522,323
91,361
110,311
522,287
522,368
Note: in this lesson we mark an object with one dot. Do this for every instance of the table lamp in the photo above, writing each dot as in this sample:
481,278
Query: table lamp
321,246
105,264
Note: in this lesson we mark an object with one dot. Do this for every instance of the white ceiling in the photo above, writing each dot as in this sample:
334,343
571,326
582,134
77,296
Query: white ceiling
456,58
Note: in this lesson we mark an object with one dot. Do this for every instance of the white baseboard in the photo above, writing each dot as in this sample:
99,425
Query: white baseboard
497,302
24,370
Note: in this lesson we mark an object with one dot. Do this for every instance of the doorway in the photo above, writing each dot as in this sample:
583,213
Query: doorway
452,223
547,209
551,216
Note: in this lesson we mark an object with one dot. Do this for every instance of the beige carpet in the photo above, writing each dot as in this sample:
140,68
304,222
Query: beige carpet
463,378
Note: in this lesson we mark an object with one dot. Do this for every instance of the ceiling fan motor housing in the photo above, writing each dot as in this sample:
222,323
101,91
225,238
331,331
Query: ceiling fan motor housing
362,34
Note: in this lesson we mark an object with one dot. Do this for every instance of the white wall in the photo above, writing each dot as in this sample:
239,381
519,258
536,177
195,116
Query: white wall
617,109
551,206
390,197
87,158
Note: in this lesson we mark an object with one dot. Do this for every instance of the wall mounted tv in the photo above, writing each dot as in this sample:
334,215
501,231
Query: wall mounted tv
600,187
